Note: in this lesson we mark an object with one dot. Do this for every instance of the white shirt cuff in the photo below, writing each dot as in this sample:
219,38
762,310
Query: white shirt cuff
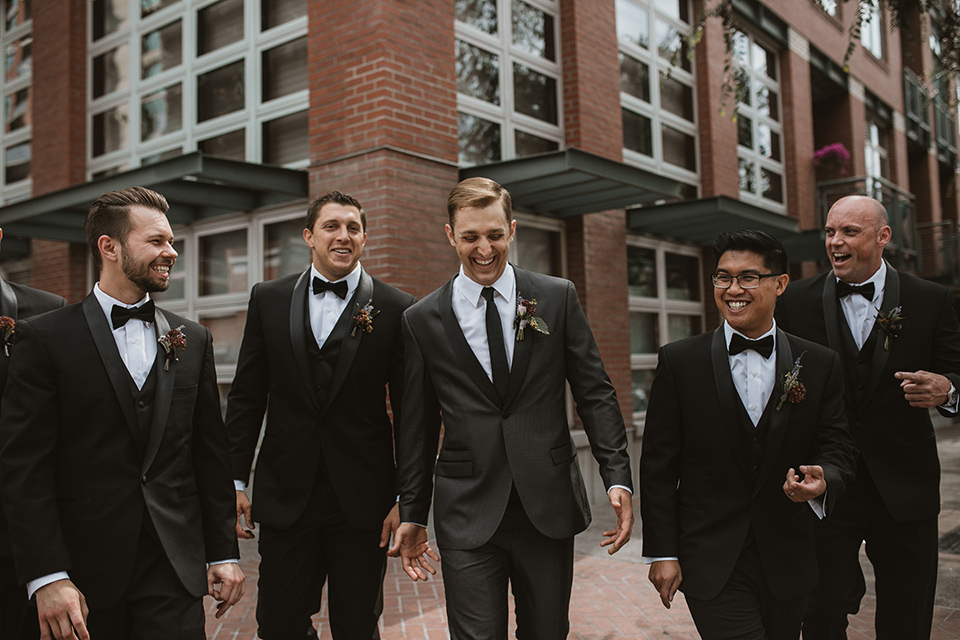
950,408
233,560
35,585
619,486
239,485
647,560
423,526
817,505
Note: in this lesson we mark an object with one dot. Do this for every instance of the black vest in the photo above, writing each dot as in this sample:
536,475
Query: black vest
323,360
755,437
143,404
857,363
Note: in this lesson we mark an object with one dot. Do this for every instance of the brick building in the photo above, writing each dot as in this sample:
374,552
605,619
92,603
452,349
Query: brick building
621,150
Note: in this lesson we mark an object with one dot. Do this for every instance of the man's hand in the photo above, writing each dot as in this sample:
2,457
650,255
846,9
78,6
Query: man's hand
244,509
411,544
813,484
666,577
230,578
923,389
622,503
62,611
390,525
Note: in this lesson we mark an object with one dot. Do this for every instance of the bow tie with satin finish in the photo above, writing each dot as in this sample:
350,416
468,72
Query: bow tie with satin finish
739,344
338,288
119,315
844,289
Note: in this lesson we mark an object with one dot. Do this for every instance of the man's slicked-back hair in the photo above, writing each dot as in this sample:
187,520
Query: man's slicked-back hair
479,193
109,216
333,197
763,244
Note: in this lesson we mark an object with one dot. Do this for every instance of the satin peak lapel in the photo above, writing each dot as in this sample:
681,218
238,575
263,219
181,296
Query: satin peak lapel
298,335
8,300
728,397
832,324
523,348
350,344
891,299
778,419
461,348
164,393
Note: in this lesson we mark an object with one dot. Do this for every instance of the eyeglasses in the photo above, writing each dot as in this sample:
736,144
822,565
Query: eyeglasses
745,280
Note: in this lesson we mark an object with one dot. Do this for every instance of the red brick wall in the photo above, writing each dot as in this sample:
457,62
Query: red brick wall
798,139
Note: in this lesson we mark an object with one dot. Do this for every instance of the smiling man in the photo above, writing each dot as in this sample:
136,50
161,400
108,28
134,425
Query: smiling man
493,350
898,340
737,463
114,460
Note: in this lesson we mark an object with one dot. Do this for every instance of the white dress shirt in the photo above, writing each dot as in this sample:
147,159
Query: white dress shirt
471,311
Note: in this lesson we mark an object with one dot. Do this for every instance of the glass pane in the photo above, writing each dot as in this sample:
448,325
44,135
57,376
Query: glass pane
644,332
680,327
220,91
642,380
16,110
110,130
528,144
744,131
741,48
223,263
109,16
479,14
675,97
672,46
161,112
478,73
17,160
277,12
534,94
741,81
285,139
771,184
161,50
748,179
539,250
227,332
768,142
112,171
218,25
633,23
479,140
679,148
15,13
767,103
830,6
178,277
642,271
676,9
229,145
533,30
683,278
111,71
284,251
149,7
637,133
285,69
634,77
18,59
764,60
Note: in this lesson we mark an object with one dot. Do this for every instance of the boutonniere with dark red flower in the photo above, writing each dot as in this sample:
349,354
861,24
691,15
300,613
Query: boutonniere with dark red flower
173,341
7,325
526,317
793,389
363,320
890,323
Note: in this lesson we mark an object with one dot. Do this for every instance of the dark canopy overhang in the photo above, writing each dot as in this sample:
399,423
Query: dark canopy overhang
196,186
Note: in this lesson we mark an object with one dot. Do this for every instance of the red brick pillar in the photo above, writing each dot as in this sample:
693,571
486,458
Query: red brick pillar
798,132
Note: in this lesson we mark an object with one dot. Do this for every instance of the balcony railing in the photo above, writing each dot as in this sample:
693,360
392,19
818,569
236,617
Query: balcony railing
940,248
946,121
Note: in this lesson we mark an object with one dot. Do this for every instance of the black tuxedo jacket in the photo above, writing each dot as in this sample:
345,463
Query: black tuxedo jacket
489,444
699,496
77,483
19,302
896,440
350,431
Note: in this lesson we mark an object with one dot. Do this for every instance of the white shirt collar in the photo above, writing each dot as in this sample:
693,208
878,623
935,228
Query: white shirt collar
352,279
106,302
728,332
505,285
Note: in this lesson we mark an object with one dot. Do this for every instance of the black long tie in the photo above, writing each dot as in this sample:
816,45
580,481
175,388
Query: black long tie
498,351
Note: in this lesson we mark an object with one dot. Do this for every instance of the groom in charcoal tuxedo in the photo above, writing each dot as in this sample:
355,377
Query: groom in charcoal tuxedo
895,371
726,516
493,350
114,459
318,350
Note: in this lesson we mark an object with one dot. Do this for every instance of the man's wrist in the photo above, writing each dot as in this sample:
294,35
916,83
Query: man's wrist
35,585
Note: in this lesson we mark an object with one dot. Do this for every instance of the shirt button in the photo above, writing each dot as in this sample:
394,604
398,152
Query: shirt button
753,407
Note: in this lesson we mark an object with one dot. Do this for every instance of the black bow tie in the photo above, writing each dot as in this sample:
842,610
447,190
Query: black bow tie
844,289
119,315
339,288
739,344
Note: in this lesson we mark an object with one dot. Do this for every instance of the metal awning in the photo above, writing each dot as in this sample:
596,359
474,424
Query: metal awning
195,185
572,182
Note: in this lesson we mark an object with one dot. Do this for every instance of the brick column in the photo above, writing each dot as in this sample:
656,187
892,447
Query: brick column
798,132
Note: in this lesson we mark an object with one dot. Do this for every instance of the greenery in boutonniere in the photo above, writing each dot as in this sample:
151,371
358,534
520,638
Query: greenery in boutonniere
890,323
7,325
526,310
793,389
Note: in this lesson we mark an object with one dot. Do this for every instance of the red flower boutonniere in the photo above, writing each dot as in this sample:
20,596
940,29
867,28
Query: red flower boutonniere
793,389
890,323
173,341
7,325
363,320
526,310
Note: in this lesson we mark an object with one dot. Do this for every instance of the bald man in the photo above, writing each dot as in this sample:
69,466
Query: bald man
899,343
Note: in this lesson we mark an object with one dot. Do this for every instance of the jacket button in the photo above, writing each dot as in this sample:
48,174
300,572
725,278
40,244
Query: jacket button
506,415
143,481
142,404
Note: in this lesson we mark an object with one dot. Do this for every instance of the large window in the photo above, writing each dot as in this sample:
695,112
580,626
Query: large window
226,77
871,29
508,79
759,123
657,87
16,39
876,154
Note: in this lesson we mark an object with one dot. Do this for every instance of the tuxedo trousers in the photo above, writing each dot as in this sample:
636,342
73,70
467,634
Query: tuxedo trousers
904,557
320,547
538,569
18,619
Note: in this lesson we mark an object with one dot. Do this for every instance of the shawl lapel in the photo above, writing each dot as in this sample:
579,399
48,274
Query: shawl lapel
728,397
8,300
164,392
349,344
461,347
832,323
298,335
779,420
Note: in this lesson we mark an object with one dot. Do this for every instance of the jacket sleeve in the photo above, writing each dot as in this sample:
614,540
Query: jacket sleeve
835,448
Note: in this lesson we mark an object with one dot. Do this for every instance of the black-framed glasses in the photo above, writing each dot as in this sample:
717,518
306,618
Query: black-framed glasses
745,280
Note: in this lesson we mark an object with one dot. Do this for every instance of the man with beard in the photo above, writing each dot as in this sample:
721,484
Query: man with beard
114,459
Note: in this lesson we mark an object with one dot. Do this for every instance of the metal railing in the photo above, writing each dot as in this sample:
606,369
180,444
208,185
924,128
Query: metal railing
940,248
915,106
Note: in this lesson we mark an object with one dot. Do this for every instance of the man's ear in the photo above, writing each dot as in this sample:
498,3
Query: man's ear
449,230
110,249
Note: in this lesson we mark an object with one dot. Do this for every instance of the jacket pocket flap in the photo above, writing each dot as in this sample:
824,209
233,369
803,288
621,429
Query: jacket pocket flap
454,469
563,454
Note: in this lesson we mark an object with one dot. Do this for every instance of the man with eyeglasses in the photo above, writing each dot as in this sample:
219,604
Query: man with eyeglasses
899,343
745,446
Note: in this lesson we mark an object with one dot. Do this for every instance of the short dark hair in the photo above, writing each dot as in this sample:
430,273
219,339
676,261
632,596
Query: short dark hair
479,193
334,197
109,216
763,244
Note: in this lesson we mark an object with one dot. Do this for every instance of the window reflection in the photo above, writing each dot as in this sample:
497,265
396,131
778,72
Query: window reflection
229,145
220,91
683,277
161,112
111,130
226,328
17,160
109,16
161,50
644,333
532,30
285,140
284,250
223,263
642,271
111,71
479,140
276,12
478,73
18,59
284,69
218,25
539,250
479,14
